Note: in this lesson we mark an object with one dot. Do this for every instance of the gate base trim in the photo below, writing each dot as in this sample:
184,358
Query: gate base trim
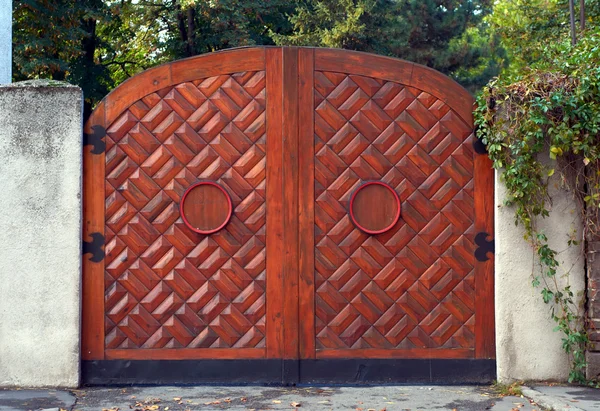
353,371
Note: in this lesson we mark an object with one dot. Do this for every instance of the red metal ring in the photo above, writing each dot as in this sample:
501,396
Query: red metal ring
229,205
396,217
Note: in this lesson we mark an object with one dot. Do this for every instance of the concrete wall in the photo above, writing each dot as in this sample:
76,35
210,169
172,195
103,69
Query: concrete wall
527,348
5,41
40,234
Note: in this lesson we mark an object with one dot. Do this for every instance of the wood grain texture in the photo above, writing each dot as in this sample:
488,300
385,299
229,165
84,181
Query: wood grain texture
92,333
406,353
399,71
275,290
290,205
412,287
206,207
221,62
166,285
186,354
485,343
185,70
306,213
374,207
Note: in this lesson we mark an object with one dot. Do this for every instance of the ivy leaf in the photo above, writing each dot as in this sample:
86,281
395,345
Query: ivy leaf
547,295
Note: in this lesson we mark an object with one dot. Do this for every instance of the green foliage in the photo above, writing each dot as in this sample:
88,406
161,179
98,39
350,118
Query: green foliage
56,39
552,108
435,25
44,45
481,46
449,36
365,25
529,29
98,44
197,27
131,38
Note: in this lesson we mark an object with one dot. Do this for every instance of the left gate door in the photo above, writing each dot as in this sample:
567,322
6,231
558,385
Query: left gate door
176,216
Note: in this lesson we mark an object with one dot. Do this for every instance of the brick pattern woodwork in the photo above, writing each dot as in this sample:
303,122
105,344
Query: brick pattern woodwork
411,287
166,286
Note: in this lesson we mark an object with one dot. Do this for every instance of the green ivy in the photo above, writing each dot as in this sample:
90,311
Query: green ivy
553,109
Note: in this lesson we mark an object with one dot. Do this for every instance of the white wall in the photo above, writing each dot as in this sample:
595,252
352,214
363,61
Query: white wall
40,234
527,348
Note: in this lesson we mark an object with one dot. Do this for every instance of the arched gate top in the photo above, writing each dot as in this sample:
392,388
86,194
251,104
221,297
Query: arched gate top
253,59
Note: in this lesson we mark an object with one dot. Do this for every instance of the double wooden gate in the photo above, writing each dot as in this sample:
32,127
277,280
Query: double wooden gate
287,215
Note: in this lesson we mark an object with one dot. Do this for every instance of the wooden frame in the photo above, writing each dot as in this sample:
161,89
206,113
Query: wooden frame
229,207
353,198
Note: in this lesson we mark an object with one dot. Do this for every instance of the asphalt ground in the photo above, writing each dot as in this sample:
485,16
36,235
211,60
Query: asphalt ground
170,398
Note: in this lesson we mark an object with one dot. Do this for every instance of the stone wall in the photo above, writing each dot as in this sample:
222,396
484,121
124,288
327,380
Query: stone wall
40,234
527,347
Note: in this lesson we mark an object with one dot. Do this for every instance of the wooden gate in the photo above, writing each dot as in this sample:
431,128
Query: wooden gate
287,215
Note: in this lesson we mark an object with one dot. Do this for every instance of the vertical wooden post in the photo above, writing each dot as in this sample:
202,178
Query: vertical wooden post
306,213
275,204
582,14
5,41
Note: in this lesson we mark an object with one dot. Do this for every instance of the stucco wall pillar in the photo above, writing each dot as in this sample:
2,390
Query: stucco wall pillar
527,348
40,234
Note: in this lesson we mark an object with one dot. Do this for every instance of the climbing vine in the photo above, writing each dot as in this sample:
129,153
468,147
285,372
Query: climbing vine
543,121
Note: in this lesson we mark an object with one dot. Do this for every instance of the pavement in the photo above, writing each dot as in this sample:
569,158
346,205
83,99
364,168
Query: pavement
377,398
559,398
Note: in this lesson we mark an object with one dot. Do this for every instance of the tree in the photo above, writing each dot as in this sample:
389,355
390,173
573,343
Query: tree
194,27
97,44
364,25
531,30
56,39
449,36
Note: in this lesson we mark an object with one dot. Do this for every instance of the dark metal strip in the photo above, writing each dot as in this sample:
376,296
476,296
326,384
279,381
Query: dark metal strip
283,372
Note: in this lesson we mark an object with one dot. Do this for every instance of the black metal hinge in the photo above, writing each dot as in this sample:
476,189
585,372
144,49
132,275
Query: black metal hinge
94,247
484,246
95,139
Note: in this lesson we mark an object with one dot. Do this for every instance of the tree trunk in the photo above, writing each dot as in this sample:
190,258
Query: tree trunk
572,15
88,45
185,24
191,30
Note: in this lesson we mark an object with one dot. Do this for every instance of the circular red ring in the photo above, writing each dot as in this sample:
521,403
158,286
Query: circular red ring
396,217
229,205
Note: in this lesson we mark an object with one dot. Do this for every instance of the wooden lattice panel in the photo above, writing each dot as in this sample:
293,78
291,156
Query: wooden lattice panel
413,286
165,285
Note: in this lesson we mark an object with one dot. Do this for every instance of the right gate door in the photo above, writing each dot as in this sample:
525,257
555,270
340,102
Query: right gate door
395,222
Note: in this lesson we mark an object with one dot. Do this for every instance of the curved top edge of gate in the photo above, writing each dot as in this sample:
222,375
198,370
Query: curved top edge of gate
254,58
